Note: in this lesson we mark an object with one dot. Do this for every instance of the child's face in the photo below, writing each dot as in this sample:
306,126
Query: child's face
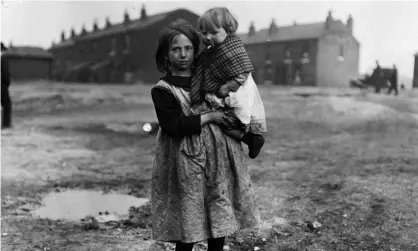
181,53
213,37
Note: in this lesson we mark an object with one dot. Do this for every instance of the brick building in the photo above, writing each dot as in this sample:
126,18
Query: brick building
415,79
115,53
29,63
315,54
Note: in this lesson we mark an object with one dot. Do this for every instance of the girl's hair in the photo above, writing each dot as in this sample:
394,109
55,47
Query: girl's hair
216,18
167,35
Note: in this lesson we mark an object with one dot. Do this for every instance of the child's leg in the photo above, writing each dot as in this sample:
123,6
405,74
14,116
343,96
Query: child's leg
254,141
237,134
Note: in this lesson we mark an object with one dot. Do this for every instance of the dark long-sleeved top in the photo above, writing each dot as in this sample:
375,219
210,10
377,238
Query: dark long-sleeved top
5,73
169,114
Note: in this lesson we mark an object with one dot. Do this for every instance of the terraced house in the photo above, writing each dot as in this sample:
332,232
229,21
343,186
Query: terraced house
28,63
116,53
316,54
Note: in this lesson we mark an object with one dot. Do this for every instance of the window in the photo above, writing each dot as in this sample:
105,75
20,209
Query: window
82,52
93,47
127,44
341,55
113,47
288,53
305,50
287,49
267,59
305,53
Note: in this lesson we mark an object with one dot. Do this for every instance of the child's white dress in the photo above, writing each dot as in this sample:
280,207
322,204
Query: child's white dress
247,104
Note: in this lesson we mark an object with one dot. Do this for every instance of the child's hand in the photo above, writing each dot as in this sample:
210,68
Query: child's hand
223,91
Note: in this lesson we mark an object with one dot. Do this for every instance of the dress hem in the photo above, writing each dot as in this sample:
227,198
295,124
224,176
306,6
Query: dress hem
257,225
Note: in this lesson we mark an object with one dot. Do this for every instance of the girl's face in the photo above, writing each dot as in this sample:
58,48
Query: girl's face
180,53
213,37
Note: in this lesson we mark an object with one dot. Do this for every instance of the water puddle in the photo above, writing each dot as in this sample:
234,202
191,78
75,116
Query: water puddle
78,204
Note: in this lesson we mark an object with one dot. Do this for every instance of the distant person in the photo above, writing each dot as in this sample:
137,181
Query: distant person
223,78
394,81
377,77
6,103
402,86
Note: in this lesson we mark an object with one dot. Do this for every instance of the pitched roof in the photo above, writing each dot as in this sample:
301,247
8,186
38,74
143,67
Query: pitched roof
64,44
292,32
122,27
28,52
118,28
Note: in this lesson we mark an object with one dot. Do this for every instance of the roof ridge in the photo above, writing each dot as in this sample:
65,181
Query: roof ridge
115,25
301,24
288,26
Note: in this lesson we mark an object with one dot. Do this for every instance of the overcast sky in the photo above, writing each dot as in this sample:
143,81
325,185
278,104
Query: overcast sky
386,30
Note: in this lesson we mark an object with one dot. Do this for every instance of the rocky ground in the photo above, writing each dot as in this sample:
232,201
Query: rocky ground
338,171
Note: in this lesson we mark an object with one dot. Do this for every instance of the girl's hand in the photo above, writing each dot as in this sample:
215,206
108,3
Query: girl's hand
225,118
218,117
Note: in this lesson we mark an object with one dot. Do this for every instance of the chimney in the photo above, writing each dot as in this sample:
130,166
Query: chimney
273,28
95,27
143,13
126,18
108,24
350,23
62,36
83,30
72,33
328,20
251,31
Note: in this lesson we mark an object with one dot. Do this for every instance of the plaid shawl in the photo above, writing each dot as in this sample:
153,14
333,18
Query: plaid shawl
217,65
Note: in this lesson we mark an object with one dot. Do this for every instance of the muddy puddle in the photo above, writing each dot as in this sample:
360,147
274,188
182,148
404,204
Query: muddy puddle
75,205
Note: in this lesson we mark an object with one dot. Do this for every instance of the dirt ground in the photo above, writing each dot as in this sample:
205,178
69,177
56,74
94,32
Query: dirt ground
339,170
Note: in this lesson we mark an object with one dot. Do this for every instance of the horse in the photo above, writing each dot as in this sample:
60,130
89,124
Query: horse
380,78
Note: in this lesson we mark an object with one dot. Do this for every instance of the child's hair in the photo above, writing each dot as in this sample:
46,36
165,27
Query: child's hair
216,18
167,35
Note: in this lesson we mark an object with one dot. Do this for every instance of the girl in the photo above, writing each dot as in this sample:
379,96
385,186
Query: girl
201,187
223,78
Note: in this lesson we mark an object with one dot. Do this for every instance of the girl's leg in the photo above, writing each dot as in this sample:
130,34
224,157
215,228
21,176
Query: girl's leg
216,244
180,246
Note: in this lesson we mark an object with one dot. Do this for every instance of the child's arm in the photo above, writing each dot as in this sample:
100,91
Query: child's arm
236,82
232,85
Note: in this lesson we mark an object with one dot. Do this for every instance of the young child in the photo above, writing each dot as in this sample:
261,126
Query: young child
223,78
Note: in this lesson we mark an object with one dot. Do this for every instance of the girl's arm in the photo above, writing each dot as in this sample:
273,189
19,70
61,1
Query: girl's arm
171,119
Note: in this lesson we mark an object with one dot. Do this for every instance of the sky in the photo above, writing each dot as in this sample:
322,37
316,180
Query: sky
386,29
